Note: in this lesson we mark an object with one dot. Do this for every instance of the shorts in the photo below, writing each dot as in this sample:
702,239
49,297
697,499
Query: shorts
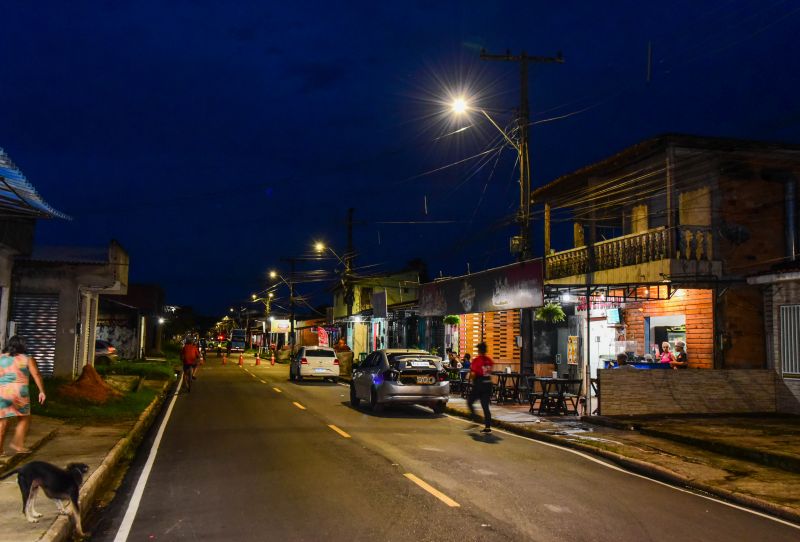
188,367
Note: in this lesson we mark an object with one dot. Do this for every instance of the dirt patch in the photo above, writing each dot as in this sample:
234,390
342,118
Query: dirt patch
89,387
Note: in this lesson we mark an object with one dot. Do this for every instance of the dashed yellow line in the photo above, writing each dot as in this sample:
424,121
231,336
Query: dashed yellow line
298,405
432,490
345,435
263,381
278,390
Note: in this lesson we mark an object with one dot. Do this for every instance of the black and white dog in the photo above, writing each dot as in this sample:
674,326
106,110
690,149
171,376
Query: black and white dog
58,484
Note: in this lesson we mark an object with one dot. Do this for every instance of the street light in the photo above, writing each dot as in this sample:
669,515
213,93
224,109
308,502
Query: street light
460,106
347,276
274,274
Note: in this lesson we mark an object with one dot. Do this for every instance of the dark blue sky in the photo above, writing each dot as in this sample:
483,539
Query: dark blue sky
212,140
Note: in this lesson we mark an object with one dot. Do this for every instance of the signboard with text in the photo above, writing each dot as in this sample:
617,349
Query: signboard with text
516,286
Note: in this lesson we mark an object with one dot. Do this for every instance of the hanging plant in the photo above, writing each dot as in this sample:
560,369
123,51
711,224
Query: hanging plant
452,320
552,313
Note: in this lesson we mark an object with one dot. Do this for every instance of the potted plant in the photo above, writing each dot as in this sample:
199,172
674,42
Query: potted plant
552,313
452,320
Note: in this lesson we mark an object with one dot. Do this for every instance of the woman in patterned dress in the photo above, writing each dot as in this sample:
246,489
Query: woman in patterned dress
16,368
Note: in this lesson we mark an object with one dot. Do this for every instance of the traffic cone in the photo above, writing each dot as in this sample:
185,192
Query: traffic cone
258,359
272,360
241,360
224,359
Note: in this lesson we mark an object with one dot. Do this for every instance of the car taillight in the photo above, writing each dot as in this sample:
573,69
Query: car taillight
304,361
442,377
111,349
336,361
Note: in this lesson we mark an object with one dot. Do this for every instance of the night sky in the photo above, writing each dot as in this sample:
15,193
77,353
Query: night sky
213,140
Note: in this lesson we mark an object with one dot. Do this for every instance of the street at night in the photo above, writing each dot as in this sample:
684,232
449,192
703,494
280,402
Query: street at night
240,460
443,271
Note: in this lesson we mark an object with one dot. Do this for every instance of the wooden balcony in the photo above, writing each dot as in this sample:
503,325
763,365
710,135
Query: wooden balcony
648,257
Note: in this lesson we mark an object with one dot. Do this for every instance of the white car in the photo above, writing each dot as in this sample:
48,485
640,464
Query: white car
314,361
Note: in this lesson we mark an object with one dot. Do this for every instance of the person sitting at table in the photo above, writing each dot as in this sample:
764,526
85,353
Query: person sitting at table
466,361
666,355
681,360
622,362
452,359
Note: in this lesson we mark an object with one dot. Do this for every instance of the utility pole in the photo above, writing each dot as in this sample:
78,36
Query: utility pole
524,216
347,279
291,304
523,244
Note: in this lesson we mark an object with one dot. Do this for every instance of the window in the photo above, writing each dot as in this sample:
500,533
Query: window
366,298
639,219
790,340
695,207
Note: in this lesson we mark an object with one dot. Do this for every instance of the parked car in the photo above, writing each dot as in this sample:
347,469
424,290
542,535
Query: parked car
314,361
104,353
395,376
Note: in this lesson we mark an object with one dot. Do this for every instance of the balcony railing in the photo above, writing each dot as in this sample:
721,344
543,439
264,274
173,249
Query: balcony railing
683,243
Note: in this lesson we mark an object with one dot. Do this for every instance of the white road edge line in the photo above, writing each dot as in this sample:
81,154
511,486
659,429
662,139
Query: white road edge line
133,505
614,467
432,490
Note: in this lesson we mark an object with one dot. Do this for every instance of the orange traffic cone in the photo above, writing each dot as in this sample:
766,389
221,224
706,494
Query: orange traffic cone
224,359
241,360
258,359
272,360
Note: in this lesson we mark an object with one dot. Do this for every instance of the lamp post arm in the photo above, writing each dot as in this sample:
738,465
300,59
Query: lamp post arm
485,114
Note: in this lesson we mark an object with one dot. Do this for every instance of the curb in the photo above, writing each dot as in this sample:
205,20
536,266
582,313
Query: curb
62,527
773,459
646,469
16,459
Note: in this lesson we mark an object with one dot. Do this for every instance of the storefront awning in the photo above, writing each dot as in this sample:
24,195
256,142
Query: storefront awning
516,286
17,194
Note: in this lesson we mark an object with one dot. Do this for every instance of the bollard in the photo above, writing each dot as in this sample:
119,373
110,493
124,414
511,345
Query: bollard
241,360
258,359
224,359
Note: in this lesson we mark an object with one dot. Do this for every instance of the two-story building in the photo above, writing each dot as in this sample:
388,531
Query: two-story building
664,236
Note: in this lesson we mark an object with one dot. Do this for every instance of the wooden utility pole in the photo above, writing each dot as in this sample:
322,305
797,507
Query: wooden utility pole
347,279
524,217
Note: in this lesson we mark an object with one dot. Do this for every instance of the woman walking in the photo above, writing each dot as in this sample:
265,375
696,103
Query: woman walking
16,368
480,371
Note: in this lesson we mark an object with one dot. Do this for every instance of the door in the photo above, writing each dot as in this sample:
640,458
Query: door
363,380
36,318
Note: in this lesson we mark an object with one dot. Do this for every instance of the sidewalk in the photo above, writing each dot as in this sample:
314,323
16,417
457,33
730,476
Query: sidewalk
751,461
58,442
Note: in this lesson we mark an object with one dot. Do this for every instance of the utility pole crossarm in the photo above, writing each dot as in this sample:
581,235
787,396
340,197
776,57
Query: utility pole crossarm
524,57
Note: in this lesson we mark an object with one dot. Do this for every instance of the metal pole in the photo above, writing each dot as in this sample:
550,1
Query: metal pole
291,305
588,368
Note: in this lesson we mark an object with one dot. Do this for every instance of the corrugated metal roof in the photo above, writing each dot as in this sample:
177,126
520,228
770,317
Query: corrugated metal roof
17,194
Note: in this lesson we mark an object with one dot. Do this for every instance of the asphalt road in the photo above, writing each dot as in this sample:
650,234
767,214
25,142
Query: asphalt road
240,460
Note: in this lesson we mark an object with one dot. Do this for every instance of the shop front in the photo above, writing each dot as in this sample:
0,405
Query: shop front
488,306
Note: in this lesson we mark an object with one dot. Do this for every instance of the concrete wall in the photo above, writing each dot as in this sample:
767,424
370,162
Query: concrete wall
776,295
644,392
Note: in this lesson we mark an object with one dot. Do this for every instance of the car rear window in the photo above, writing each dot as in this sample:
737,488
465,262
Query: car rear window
413,361
316,353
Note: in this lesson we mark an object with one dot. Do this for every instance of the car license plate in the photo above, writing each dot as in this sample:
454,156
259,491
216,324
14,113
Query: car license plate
425,380
320,370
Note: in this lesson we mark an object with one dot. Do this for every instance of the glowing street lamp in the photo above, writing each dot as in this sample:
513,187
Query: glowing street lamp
460,106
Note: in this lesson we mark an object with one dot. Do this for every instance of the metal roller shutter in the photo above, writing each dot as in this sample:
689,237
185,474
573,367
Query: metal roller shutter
36,318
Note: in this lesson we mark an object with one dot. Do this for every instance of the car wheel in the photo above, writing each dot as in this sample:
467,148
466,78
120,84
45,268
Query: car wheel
438,408
373,401
354,400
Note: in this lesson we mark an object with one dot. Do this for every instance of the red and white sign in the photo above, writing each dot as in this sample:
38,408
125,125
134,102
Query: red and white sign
322,335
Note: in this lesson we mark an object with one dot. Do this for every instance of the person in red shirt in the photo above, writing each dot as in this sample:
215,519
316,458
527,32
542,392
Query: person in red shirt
189,357
480,371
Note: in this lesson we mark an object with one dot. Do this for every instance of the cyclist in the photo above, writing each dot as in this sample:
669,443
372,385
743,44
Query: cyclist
190,355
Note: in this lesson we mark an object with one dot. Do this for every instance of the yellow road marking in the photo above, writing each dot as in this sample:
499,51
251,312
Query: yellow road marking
345,435
298,405
276,389
263,381
432,490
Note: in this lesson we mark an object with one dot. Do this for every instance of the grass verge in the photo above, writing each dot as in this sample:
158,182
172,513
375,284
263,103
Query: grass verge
150,370
128,407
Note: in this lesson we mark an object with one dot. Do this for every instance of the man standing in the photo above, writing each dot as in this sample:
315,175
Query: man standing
480,372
